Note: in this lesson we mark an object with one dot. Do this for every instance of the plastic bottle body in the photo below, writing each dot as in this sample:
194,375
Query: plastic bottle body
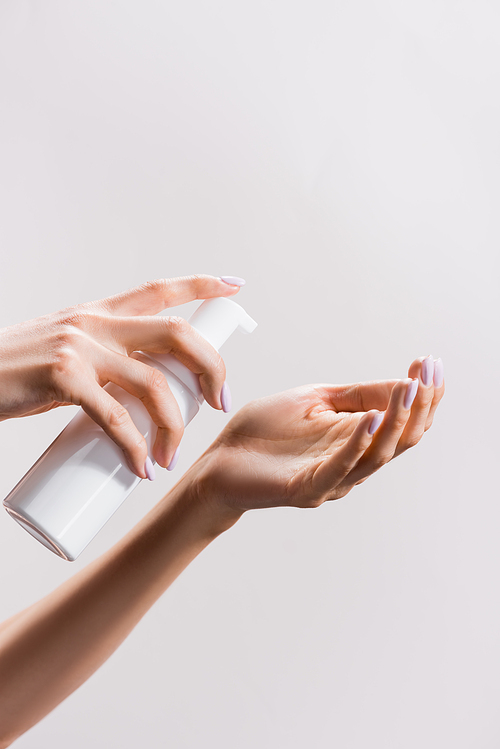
82,478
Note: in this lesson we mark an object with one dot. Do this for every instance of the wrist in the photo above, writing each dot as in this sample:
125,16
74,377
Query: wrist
200,496
178,528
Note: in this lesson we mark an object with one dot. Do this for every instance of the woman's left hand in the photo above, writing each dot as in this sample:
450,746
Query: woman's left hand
315,443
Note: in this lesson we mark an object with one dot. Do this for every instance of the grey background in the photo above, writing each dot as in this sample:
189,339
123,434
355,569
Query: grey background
344,158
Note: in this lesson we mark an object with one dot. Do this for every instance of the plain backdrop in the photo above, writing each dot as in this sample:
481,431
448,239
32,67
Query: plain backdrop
344,158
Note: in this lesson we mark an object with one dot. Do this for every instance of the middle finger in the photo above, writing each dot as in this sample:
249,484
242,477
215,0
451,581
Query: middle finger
174,335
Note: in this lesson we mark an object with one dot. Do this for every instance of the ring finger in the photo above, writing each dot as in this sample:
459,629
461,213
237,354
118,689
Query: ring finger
151,387
423,369
387,436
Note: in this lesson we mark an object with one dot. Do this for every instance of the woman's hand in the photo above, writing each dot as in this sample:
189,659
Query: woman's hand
314,443
68,356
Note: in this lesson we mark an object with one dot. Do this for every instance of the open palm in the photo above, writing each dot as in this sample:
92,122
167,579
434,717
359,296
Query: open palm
314,443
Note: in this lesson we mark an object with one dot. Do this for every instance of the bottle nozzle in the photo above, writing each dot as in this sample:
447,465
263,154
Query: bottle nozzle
216,319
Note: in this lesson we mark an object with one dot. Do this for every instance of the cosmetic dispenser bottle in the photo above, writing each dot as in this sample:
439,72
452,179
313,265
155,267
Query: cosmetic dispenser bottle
82,478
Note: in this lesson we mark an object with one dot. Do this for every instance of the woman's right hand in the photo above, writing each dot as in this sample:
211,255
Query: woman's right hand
67,357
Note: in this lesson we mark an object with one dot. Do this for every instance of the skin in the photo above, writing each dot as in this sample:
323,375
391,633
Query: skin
298,448
67,357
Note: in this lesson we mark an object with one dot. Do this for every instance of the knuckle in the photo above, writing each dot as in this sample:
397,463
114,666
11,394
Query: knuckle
68,331
315,503
67,347
65,361
198,282
75,317
400,421
311,503
220,367
176,325
68,337
139,445
377,463
172,424
411,441
177,427
335,494
158,288
342,492
118,417
155,381
217,366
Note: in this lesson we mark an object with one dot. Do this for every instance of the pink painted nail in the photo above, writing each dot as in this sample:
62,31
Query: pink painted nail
150,469
438,373
233,280
427,371
225,398
411,392
175,458
376,422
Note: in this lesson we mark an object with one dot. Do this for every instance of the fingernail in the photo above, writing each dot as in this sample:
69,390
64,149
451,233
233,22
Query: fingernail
427,371
233,280
376,422
175,458
438,373
150,469
411,392
225,398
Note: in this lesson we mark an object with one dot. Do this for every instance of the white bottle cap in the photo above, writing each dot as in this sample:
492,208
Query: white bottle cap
216,320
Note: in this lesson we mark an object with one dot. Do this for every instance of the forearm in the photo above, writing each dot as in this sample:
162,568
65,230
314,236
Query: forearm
51,648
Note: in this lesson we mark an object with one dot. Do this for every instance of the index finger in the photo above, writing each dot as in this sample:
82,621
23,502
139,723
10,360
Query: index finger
154,296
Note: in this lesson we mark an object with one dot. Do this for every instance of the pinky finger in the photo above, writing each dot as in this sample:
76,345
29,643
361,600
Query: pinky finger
337,467
116,421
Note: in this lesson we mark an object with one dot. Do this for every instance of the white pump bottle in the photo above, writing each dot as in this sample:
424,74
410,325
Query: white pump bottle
82,478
